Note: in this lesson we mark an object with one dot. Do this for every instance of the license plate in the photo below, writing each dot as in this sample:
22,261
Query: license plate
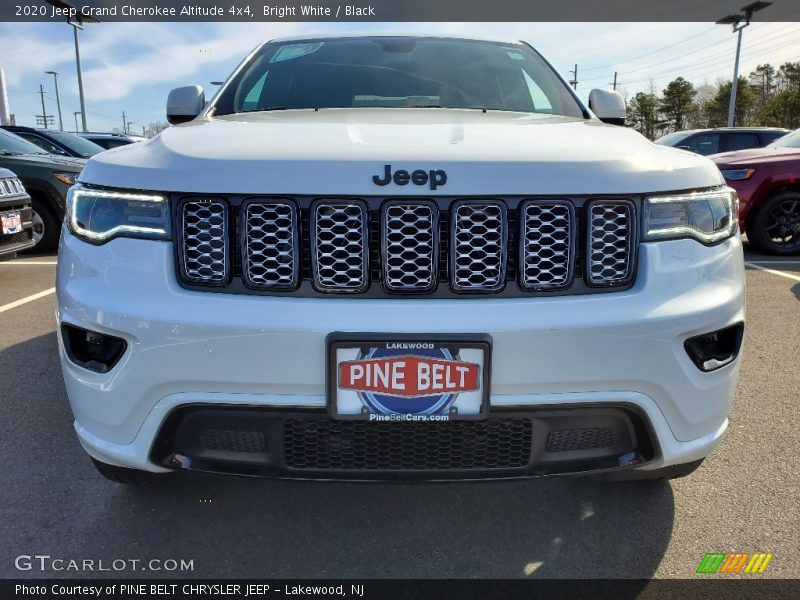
387,377
10,222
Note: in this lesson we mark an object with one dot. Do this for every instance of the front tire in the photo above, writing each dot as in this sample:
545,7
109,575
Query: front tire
46,227
776,227
127,476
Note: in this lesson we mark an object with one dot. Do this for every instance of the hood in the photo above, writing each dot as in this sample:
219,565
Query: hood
63,163
340,151
756,155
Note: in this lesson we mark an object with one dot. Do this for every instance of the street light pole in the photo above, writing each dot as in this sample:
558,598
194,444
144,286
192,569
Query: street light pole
739,22
75,114
80,77
58,99
71,12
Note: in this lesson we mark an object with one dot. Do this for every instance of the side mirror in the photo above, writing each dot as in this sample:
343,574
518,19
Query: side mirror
608,105
185,103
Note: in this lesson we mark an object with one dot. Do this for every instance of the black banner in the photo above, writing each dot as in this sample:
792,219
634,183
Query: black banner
709,588
390,10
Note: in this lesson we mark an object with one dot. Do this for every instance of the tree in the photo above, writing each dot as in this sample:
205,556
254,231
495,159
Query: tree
676,103
782,110
717,108
643,114
764,82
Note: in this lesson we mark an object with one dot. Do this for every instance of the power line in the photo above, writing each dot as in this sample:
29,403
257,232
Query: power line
711,60
752,43
653,51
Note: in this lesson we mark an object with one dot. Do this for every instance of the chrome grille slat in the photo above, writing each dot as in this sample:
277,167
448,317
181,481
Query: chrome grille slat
478,252
611,228
547,245
409,246
270,251
11,186
340,246
204,241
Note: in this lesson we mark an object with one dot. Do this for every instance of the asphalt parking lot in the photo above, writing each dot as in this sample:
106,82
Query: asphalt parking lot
743,499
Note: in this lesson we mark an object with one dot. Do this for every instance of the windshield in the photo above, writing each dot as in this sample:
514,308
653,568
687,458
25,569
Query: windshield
397,72
671,139
77,144
790,140
13,144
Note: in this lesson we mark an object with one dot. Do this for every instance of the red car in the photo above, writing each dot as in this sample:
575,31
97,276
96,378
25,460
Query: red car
768,183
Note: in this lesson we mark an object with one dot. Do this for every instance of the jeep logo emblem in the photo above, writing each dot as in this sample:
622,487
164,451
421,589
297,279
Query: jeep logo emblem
434,178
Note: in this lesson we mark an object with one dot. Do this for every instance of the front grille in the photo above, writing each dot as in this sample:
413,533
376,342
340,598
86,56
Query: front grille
374,246
204,233
611,228
11,186
270,235
410,246
364,446
546,245
479,246
579,439
341,246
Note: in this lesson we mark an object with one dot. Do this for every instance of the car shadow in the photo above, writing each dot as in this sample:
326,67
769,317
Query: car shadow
55,503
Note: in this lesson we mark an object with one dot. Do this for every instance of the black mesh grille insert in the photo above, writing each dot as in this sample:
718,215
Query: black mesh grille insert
20,237
204,234
232,441
452,445
579,439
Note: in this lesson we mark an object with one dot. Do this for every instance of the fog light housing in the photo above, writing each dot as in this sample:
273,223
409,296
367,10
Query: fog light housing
714,350
92,350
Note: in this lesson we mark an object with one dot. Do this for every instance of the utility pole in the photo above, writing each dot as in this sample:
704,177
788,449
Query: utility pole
615,80
128,130
143,131
58,99
574,81
739,22
124,123
44,111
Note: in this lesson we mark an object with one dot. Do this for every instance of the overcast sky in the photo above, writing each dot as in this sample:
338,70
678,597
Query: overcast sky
132,66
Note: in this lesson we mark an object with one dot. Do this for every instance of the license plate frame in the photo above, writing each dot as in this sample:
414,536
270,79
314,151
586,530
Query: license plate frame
454,343
5,217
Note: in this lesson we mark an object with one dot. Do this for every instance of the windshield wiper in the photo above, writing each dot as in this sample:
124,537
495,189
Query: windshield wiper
9,153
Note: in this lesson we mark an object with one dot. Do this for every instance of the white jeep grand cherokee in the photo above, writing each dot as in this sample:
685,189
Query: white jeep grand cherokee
399,257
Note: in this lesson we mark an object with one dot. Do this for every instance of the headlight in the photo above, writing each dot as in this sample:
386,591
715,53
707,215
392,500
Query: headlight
705,216
737,174
98,216
67,178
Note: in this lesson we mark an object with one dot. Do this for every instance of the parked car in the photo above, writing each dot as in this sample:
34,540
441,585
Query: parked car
722,139
16,225
47,178
110,140
768,183
399,257
61,143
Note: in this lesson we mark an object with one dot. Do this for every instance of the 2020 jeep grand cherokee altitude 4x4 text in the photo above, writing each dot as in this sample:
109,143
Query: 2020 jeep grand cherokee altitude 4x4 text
390,257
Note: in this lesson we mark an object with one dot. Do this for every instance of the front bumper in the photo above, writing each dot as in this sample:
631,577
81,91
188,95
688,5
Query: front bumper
187,348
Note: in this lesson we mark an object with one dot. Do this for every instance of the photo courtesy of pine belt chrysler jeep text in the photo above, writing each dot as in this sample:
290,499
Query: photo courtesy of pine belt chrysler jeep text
393,258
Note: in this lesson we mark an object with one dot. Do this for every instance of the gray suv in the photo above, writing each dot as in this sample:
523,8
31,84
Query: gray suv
47,178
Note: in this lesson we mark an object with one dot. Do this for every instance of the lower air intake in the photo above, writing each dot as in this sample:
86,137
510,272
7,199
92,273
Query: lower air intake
579,439
364,446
